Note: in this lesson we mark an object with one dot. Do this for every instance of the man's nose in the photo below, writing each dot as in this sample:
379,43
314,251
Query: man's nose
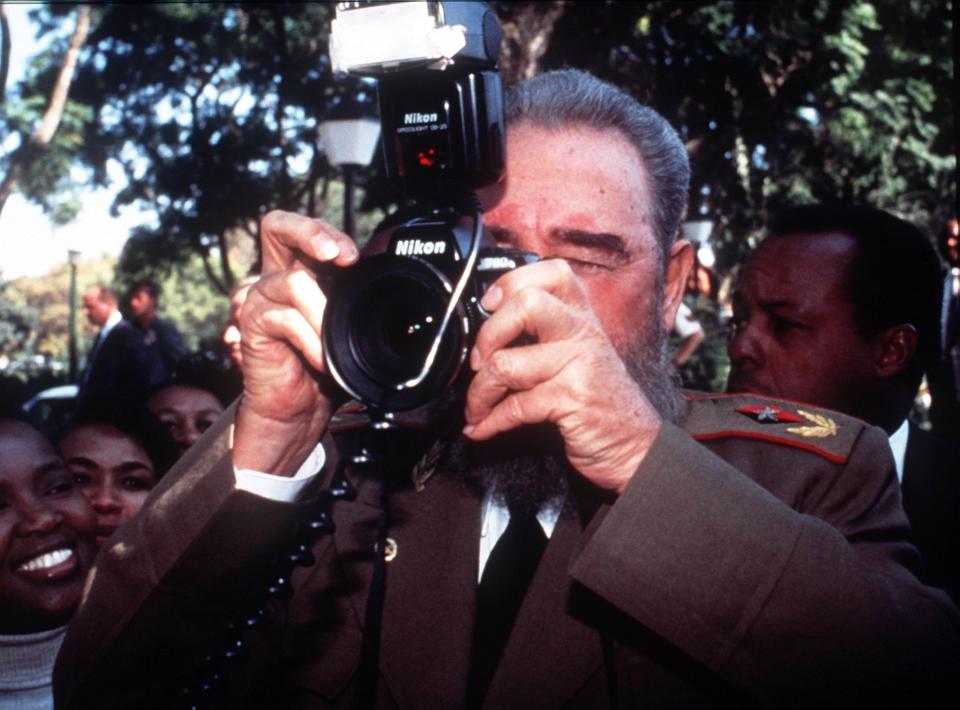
190,435
744,348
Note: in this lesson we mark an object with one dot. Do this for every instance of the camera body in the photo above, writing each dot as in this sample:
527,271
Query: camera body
398,325
386,311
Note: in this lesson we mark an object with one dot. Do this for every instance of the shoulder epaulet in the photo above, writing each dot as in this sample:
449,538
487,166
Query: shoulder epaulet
801,426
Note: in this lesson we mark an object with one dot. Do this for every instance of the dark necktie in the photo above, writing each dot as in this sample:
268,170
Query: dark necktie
503,585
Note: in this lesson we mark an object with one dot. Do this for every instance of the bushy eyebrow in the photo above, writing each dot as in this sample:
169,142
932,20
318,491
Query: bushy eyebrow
603,241
612,244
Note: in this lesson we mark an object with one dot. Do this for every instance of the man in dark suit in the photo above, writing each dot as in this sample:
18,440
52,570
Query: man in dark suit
839,307
678,551
142,300
120,361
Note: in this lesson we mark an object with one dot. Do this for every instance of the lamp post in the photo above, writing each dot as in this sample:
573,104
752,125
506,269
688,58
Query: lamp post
350,138
697,232
72,256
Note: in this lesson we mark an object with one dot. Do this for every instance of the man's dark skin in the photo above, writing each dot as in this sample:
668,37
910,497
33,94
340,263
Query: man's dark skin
795,335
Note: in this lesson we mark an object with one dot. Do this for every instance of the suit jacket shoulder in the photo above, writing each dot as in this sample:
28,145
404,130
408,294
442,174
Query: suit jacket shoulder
728,535
828,434
931,497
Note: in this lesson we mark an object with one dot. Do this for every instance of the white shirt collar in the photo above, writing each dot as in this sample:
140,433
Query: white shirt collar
495,516
114,318
898,444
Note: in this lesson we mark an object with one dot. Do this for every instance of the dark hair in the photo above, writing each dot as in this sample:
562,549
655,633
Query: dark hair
894,276
205,370
144,285
105,294
565,97
12,413
132,419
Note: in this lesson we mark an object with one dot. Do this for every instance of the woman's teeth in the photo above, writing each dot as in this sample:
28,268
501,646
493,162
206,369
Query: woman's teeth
46,560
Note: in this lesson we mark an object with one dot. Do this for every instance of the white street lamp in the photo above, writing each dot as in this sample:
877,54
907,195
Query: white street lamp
350,138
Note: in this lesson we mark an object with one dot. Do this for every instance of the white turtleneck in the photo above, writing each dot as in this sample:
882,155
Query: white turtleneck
26,669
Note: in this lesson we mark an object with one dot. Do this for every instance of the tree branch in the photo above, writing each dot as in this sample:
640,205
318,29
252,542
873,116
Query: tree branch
43,134
526,37
58,97
228,277
210,273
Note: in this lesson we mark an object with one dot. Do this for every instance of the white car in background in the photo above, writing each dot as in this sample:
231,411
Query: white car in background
52,406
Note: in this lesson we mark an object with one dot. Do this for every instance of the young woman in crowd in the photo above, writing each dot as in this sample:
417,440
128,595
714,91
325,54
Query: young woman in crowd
200,390
116,452
46,549
186,411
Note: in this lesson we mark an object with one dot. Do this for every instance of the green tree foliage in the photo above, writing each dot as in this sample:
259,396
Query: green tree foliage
42,126
35,312
783,102
212,111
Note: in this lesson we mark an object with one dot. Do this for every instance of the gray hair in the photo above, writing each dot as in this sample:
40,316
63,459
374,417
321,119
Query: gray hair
558,99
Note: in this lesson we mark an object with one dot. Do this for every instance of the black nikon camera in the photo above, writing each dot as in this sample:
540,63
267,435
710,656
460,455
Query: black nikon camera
399,325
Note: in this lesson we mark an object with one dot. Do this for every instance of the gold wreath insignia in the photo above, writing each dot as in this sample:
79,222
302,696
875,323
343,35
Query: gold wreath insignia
822,426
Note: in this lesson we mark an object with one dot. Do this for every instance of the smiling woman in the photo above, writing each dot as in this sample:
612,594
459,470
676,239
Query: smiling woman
46,549
115,451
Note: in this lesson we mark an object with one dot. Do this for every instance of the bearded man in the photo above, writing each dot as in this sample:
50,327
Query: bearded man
674,550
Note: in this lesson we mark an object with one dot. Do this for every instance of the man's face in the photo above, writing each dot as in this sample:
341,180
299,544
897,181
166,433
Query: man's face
141,303
583,195
795,334
97,311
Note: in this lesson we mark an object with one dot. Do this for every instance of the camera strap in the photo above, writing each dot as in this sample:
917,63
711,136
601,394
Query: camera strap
465,274
368,674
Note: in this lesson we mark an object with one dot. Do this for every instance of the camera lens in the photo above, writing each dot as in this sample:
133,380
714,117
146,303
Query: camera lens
396,320
379,326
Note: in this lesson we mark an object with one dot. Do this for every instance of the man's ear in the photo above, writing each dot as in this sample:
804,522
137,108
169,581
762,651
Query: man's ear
679,264
895,349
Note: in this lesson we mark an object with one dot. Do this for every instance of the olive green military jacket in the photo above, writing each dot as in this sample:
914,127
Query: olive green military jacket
758,556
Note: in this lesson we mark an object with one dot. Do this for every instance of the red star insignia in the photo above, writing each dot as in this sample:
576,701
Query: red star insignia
768,413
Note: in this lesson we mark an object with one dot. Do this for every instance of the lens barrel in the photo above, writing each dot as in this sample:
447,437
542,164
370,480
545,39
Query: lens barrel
380,325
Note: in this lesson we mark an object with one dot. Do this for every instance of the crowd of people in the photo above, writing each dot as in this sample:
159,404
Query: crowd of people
572,530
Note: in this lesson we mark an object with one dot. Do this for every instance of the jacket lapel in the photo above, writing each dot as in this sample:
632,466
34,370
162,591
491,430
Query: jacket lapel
430,597
550,654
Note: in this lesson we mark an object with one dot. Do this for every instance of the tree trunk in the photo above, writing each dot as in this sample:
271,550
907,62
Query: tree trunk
527,27
4,51
47,127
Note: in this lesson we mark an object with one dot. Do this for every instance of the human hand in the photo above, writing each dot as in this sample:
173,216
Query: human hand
286,401
572,376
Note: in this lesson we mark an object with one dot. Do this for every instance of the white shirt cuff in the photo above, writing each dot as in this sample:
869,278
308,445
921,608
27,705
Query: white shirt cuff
281,488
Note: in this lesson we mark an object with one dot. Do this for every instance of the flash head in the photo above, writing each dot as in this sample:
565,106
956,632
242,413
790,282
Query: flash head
375,38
